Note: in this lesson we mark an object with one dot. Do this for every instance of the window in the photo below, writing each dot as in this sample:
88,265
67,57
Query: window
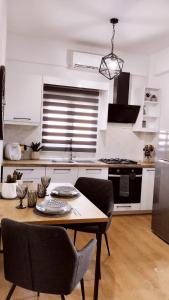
69,118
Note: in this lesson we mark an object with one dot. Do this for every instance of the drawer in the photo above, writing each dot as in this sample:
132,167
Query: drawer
93,172
62,174
127,207
28,172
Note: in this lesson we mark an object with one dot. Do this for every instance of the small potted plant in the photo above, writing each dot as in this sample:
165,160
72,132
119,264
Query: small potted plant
148,151
9,187
35,154
147,96
18,176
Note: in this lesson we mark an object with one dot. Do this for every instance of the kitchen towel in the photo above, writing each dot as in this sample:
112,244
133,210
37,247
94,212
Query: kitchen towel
124,185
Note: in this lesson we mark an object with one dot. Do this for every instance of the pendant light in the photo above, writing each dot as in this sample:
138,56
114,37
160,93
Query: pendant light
111,65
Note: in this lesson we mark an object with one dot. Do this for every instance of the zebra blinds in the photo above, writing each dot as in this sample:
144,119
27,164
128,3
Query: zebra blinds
69,118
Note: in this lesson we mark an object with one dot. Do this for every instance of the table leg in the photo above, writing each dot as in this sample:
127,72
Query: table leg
1,251
97,267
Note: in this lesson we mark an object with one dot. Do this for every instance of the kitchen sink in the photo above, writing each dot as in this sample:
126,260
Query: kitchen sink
62,161
86,161
69,161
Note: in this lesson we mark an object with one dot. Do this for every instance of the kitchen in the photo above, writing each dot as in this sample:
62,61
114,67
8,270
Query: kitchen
40,57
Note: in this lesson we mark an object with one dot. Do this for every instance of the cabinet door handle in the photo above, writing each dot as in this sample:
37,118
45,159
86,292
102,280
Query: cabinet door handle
150,170
28,119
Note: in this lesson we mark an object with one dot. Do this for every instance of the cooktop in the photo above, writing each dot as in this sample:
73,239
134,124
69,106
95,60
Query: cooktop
117,161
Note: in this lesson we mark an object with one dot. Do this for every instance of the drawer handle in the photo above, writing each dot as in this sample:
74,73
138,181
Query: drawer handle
118,206
28,119
93,169
61,169
24,169
28,181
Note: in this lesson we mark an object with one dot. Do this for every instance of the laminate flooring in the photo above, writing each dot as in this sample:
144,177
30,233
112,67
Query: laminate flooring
138,268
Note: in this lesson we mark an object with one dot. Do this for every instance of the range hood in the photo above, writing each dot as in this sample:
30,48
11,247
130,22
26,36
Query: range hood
120,111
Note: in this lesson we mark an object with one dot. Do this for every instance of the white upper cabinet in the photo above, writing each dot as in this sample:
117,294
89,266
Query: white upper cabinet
23,96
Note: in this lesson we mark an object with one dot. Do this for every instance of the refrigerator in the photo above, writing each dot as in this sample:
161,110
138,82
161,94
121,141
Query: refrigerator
160,212
2,103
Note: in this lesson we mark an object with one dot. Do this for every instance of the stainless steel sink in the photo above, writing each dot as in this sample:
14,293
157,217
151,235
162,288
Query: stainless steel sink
69,161
62,161
86,161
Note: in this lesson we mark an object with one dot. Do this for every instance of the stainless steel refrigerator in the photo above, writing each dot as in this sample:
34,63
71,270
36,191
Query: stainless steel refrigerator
160,213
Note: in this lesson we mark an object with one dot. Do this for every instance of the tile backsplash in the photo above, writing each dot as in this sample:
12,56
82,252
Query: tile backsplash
117,141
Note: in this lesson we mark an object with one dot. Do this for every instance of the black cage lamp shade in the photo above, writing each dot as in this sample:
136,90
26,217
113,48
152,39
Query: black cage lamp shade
111,65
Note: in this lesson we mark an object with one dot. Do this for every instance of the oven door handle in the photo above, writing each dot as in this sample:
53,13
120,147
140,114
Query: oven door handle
114,175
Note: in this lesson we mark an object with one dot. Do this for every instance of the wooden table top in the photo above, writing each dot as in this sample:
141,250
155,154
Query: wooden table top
83,211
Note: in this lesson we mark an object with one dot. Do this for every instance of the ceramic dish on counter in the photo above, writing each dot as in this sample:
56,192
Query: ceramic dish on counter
64,191
53,207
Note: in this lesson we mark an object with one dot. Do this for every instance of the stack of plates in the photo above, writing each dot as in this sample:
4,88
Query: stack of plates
53,207
64,191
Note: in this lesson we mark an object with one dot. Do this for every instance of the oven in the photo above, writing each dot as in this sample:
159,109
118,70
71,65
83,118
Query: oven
127,186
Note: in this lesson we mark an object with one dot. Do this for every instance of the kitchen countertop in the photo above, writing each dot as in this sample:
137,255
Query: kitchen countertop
50,163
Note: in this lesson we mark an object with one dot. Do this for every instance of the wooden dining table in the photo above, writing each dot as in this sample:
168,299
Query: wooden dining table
83,211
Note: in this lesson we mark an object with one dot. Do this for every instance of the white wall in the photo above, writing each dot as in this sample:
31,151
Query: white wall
2,31
48,58
159,78
2,45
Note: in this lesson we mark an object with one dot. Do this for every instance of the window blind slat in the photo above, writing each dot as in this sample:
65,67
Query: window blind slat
70,135
69,127
50,103
69,98
69,120
70,113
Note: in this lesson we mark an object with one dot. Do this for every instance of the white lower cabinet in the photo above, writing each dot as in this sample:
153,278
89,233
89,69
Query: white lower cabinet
101,173
147,188
30,174
62,174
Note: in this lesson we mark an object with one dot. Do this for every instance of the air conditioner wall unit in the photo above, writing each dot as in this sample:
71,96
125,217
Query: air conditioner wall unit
86,61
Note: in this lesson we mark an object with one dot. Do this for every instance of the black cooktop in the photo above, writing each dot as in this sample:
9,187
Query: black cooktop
117,161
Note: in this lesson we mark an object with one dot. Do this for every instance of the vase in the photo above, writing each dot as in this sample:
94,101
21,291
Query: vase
9,190
35,155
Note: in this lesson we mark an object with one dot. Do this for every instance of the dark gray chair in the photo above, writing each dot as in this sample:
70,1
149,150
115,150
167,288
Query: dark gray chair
100,193
43,258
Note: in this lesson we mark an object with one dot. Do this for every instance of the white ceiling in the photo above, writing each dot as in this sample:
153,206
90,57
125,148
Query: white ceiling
143,24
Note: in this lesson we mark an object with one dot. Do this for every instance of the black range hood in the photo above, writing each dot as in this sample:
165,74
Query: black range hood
120,111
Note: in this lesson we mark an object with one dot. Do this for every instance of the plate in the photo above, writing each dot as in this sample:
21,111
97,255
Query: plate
64,191
53,207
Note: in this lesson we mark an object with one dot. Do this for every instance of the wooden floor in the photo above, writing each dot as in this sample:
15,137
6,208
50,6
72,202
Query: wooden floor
138,268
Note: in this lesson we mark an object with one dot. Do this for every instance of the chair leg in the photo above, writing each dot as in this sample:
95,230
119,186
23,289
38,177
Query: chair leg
107,243
38,294
82,289
10,292
62,297
100,253
75,233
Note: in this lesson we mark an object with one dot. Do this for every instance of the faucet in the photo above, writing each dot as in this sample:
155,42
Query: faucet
71,154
